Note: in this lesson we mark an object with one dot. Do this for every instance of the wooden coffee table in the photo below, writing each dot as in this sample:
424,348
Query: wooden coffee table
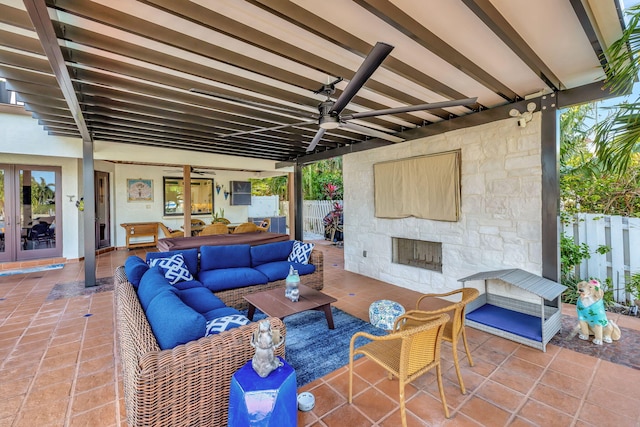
274,304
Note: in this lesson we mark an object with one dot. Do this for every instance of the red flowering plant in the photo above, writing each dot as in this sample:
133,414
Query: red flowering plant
333,220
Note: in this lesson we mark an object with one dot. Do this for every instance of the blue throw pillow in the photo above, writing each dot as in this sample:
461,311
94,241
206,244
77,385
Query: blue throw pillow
300,252
173,322
190,258
270,252
174,268
228,256
135,267
225,323
151,284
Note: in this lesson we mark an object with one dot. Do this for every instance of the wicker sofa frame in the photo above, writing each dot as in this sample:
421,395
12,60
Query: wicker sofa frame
234,297
186,385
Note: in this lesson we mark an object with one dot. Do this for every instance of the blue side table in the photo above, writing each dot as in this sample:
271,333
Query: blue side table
263,402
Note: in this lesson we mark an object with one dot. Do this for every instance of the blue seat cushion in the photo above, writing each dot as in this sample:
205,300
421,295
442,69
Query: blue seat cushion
231,256
151,284
220,312
231,278
280,269
521,324
200,299
270,252
188,284
135,267
173,322
190,258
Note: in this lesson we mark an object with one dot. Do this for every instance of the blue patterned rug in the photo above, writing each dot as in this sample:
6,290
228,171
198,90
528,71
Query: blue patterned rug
313,349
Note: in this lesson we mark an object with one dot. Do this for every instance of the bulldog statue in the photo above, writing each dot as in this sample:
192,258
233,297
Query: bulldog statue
592,316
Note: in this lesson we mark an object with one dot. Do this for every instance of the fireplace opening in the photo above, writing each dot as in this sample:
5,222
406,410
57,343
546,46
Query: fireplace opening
417,253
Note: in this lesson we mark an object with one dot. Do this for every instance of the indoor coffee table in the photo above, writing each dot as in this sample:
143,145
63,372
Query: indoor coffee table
274,304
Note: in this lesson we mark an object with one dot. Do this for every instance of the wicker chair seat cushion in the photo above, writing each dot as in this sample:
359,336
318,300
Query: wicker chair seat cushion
173,322
231,278
200,299
521,324
270,252
219,257
135,267
279,270
190,258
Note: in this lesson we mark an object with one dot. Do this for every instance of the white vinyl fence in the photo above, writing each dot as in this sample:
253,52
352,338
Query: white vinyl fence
313,213
621,235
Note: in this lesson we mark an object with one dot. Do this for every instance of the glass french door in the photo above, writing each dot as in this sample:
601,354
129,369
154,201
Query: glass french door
29,200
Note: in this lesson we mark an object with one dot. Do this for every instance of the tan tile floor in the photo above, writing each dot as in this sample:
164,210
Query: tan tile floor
58,366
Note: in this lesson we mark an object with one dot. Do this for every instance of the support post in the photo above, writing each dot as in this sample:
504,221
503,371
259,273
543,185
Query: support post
89,214
550,154
297,189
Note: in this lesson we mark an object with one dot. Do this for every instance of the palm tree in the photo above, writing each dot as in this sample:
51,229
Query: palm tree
617,137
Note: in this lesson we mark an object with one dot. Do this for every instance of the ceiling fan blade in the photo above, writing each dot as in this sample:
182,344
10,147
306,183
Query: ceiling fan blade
370,64
251,103
246,132
316,139
371,132
407,109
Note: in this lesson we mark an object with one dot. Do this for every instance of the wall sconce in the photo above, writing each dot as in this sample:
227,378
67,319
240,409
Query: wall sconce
218,188
524,118
226,195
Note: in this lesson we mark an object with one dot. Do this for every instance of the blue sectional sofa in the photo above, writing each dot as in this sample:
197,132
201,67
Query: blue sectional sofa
231,272
172,373
197,291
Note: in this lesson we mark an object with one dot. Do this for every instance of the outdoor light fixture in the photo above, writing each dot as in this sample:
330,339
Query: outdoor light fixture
524,118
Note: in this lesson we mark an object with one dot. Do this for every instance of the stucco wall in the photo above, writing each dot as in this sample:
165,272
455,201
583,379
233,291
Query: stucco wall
500,221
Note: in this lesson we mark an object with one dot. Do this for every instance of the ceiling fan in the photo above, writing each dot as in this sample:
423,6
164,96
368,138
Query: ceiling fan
194,171
330,112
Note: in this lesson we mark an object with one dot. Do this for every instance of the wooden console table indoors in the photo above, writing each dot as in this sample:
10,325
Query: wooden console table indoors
147,230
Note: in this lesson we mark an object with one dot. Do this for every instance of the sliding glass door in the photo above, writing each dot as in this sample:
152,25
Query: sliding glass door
29,200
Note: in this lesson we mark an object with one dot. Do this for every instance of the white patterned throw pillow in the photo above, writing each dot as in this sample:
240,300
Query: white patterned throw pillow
174,268
300,252
225,323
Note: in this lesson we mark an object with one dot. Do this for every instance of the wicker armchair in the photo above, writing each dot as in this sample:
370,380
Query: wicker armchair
222,220
215,228
406,354
187,385
170,233
265,224
455,327
246,227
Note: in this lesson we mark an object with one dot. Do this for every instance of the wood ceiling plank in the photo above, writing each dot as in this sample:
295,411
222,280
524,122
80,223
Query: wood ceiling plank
39,15
492,18
306,20
16,17
248,34
398,19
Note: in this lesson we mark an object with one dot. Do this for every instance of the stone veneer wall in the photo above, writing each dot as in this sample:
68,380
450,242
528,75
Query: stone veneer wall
500,221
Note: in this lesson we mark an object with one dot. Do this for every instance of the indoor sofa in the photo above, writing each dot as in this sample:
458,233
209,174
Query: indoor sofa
186,384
